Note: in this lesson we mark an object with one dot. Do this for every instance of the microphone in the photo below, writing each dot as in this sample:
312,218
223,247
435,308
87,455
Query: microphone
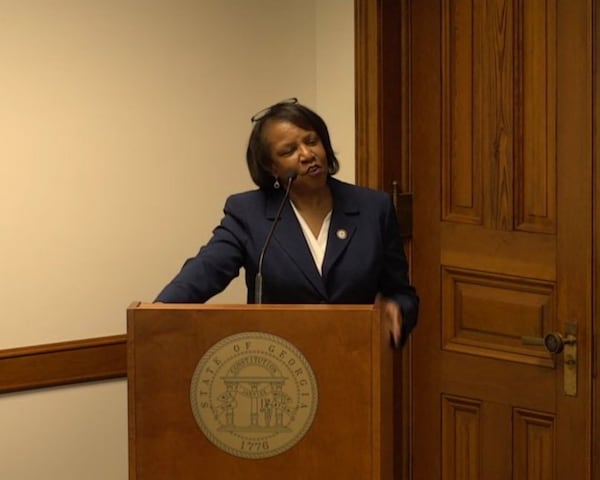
291,176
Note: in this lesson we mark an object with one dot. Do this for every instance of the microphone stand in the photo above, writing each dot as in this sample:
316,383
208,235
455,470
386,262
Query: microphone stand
258,279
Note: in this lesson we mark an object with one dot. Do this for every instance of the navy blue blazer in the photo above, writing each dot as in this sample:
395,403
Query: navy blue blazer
364,254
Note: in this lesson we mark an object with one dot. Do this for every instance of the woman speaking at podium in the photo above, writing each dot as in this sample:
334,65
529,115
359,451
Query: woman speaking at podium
303,236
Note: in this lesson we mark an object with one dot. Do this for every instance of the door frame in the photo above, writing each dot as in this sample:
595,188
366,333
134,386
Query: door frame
595,238
382,91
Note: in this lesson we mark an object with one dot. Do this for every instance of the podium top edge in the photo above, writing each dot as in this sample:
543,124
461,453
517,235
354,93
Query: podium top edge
245,306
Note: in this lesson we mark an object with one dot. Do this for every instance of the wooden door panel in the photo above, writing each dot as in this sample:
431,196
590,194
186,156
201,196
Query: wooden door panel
498,113
534,445
487,314
461,437
501,155
470,426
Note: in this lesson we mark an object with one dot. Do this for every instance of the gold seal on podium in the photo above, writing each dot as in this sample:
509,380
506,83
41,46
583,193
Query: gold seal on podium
254,395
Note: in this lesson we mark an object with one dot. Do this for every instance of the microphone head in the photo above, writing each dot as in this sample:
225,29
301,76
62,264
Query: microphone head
291,175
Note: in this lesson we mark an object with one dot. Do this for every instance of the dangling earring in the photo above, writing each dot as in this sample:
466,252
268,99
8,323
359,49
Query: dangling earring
276,184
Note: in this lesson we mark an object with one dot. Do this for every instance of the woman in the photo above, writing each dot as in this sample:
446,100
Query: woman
334,243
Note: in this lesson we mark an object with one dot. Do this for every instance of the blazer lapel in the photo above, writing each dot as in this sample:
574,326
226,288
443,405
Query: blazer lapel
290,238
344,220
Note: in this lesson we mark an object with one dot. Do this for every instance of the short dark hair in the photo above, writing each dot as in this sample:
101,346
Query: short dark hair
258,156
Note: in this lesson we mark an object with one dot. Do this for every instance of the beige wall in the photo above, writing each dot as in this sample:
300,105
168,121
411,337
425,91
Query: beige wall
122,130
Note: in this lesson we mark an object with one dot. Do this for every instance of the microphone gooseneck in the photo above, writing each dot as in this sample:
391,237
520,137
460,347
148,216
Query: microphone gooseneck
291,176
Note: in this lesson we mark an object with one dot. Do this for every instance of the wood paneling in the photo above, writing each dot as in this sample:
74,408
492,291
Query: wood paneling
535,445
461,438
500,143
367,57
521,123
498,251
535,126
501,109
494,90
63,363
596,245
488,314
382,31
462,186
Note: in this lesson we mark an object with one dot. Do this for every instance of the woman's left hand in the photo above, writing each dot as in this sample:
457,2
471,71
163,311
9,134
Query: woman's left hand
392,318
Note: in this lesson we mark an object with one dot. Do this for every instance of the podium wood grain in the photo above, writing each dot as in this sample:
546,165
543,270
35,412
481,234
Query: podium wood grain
350,437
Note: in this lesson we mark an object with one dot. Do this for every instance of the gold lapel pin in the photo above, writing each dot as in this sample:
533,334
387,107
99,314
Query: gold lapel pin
341,234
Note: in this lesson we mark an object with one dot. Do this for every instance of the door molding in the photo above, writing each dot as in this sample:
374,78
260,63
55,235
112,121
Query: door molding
596,240
367,41
382,162
382,32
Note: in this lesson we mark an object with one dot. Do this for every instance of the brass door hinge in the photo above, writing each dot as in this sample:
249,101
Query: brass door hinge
403,203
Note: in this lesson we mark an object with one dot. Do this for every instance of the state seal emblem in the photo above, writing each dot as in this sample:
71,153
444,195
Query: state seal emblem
254,395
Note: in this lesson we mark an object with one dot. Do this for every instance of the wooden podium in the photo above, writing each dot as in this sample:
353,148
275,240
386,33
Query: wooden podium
177,359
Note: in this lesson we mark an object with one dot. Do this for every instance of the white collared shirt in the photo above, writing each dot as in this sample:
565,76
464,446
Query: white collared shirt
316,245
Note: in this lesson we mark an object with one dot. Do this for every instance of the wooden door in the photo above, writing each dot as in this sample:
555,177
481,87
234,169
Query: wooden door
500,147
